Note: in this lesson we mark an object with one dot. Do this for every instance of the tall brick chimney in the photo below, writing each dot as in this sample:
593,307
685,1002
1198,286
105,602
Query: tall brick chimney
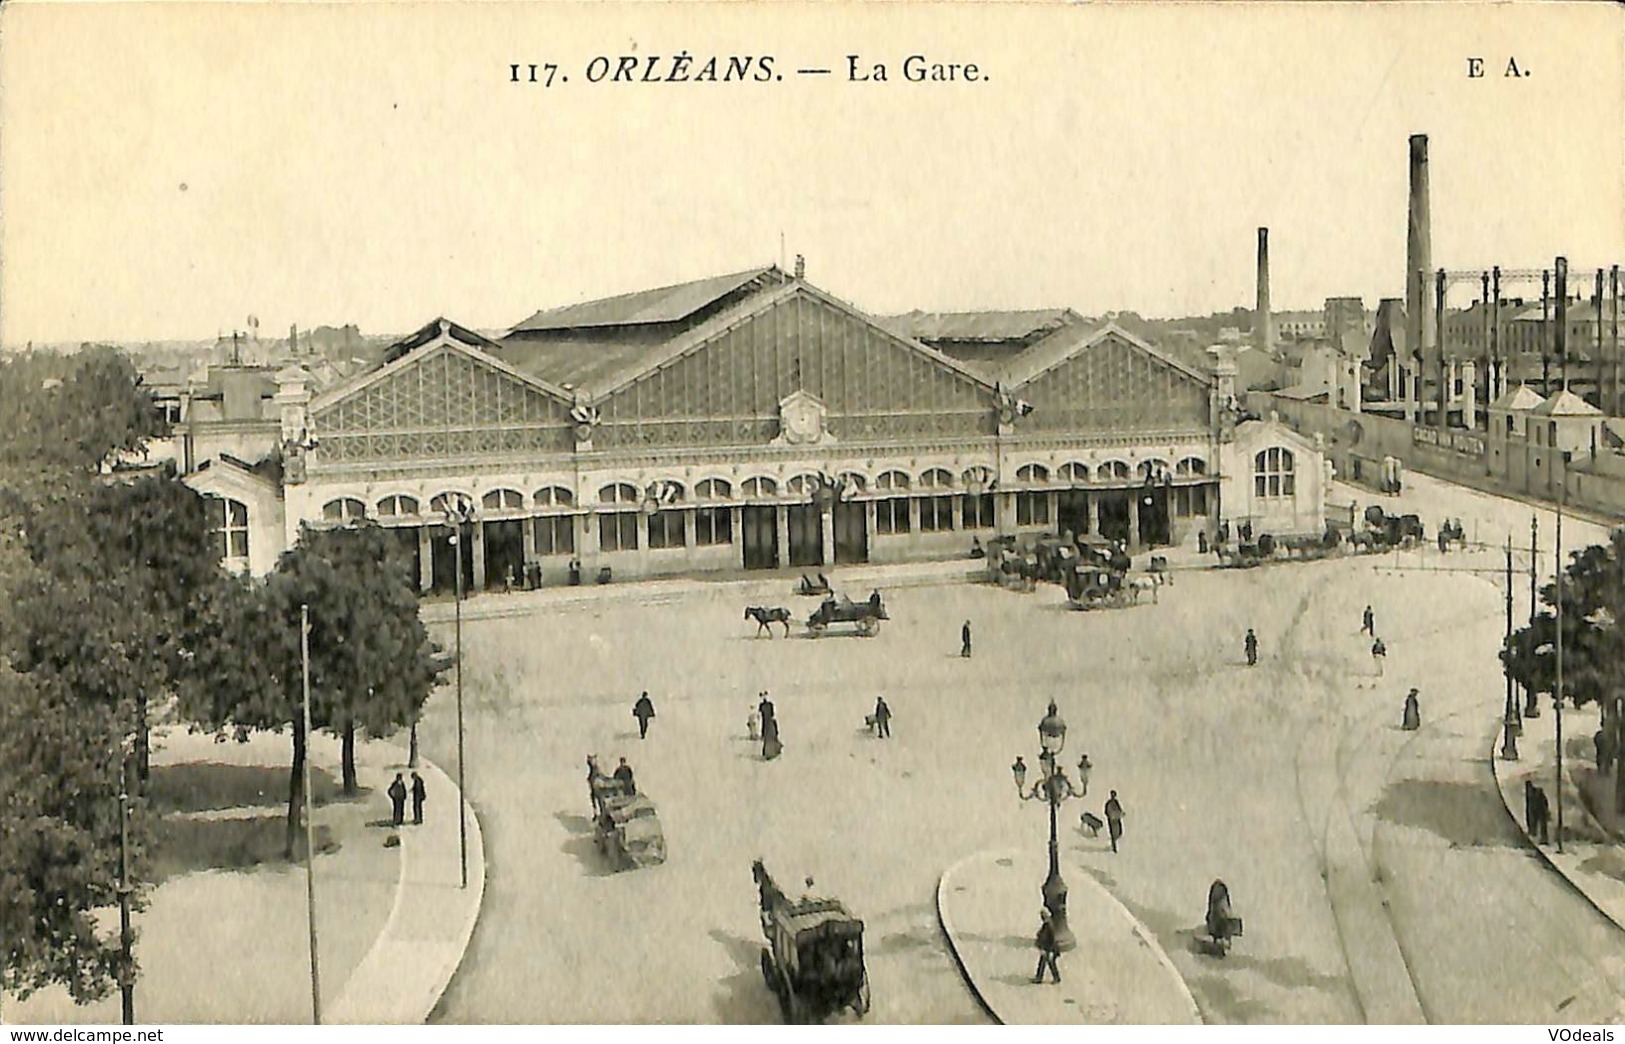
1263,326
1422,338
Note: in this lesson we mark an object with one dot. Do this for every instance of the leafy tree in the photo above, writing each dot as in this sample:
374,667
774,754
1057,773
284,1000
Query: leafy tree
70,412
372,664
1593,630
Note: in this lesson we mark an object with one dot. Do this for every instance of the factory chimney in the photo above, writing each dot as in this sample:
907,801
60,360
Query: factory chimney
1422,337
1561,328
1263,326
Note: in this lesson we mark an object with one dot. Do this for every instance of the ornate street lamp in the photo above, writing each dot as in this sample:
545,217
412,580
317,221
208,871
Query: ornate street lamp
1054,788
459,513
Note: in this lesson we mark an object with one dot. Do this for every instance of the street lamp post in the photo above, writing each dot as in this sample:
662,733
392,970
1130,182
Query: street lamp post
126,970
1511,722
459,513
1054,788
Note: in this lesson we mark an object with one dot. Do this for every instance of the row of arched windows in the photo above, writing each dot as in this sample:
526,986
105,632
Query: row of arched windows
401,505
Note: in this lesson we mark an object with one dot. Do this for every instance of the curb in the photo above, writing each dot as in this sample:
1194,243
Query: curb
1546,857
1140,931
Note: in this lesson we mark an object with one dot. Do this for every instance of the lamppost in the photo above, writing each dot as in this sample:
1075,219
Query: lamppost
459,513
1053,788
126,965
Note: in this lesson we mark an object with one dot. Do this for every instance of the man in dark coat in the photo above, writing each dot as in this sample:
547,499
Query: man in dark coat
1378,652
1368,622
1250,645
643,710
397,799
623,773
1114,819
1048,951
964,640
420,794
882,718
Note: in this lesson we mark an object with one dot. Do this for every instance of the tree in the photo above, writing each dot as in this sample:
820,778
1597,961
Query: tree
1593,604
372,664
71,412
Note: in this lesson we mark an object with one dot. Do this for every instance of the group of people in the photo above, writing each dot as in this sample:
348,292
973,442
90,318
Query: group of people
398,793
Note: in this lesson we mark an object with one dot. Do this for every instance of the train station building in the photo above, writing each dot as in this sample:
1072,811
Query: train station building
755,421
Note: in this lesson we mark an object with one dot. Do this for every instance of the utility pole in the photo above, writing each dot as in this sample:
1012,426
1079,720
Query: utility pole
310,825
1531,704
1557,697
1509,716
126,977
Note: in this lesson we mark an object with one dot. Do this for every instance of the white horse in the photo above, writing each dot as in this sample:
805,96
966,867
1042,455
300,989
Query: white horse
1140,584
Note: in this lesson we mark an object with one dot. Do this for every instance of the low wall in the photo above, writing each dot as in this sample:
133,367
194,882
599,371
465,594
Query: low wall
1357,442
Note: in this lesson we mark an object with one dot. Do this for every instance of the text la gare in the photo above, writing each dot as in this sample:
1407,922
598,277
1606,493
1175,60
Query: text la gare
916,68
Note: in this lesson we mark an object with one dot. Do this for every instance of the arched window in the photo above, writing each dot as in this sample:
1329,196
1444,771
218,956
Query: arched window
1190,467
760,487
852,482
713,489
397,506
441,503
1112,471
1154,468
937,478
1032,473
503,500
1273,473
1074,472
345,509
890,480
229,520
553,497
802,485
618,530
619,493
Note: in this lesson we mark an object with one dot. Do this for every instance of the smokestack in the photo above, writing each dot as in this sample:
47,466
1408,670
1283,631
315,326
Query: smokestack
1560,331
1419,255
293,338
1263,327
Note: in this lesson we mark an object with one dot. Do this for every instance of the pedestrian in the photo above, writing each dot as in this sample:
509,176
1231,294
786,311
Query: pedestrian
420,794
397,799
1084,768
1538,813
882,718
964,640
643,710
1250,645
1048,950
1412,719
765,709
1368,622
623,774
1605,750
1378,652
1201,541
753,724
1114,818
771,747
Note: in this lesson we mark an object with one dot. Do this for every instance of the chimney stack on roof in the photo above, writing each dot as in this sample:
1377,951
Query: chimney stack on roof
801,267
1263,326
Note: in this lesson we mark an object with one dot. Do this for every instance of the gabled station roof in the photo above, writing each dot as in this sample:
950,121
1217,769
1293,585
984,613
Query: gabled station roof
666,304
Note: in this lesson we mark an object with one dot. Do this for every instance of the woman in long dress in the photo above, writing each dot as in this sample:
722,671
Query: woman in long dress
770,738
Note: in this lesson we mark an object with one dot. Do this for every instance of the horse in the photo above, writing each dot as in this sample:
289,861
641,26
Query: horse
764,617
1144,583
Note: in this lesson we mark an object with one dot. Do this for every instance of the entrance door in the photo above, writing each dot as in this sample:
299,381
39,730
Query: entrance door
1154,528
1072,511
445,576
1114,515
504,551
759,533
851,533
806,535
411,555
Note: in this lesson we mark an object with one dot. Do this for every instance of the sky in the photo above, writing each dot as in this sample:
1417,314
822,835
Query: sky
167,170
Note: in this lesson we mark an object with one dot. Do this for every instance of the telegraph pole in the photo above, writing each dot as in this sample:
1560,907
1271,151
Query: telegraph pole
1509,717
310,825
1531,704
126,977
1557,699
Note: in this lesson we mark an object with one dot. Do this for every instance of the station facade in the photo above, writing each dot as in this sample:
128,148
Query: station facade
754,421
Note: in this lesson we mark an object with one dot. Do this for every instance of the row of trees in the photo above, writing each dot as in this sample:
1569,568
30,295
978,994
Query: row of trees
112,603
1593,629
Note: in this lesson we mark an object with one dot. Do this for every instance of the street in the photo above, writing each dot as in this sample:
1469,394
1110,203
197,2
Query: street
1378,874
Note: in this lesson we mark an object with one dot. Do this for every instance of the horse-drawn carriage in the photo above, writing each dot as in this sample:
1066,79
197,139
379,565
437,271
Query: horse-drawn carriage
813,960
626,827
1383,531
866,615
1091,587
1011,566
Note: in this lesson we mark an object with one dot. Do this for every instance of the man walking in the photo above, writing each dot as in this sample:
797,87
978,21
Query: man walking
1250,645
643,710
1378,652
1537,812
1085,766
397,799
1048,951
1114,819
882,718
964,640
420,794
1368,622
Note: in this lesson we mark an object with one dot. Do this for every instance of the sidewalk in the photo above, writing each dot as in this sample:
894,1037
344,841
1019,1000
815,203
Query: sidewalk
401,978
1591,861
988,905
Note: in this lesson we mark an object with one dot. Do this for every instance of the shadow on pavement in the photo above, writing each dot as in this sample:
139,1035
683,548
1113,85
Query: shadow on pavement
200,786
184,846
743,997
1468,815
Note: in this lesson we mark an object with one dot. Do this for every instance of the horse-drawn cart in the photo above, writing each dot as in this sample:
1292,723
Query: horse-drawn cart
1091,587
814,958
626,826
866,616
